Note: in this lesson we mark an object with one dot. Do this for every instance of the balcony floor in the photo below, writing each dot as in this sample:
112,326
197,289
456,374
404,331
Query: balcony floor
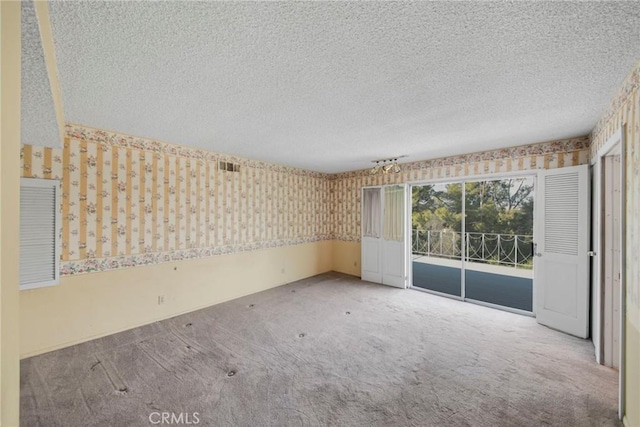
495,284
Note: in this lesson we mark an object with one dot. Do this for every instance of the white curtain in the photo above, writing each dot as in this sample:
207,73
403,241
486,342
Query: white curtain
393,213
371,212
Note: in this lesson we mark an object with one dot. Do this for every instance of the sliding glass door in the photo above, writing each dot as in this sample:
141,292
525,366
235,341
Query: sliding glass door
474,240
499,242
436,238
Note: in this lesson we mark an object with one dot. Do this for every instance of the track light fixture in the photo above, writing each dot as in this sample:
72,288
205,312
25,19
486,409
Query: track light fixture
386,166
377,168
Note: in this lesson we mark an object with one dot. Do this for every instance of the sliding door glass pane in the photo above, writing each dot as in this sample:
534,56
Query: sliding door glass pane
499,241
435,237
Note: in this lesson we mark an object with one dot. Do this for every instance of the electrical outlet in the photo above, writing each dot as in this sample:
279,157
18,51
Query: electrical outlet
160,299
282,270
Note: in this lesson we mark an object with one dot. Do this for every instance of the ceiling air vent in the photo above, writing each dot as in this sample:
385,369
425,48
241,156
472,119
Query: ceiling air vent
228,167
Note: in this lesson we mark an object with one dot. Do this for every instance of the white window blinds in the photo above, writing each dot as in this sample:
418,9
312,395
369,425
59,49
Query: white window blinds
39,232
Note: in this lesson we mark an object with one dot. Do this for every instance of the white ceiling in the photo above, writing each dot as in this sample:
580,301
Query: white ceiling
39,125
332,86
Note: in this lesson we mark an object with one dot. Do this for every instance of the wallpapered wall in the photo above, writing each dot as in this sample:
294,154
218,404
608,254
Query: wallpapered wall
130,201
345,188
625,108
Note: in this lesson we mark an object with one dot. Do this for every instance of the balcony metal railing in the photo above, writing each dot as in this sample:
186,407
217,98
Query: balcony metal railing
490,248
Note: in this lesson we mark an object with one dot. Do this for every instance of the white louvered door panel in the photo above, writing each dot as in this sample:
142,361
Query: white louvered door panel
39,233
561,268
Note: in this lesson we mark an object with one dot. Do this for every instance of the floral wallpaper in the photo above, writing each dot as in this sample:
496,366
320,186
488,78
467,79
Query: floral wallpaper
625,109
345,188
130,201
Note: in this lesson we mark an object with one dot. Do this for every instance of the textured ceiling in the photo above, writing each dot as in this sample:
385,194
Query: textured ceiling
332,86
39,125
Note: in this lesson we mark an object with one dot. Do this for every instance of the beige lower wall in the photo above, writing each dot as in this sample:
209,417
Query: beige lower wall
632,377
88,306
346,257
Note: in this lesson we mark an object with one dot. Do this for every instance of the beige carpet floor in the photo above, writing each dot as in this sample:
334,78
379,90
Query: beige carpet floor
328,350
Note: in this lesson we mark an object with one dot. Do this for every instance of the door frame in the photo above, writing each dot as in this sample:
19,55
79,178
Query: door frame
462,180
614,145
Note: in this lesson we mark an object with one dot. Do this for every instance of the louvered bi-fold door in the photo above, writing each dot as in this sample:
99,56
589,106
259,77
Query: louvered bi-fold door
561,267
39,232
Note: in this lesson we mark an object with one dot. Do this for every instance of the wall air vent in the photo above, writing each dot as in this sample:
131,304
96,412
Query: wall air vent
228,167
